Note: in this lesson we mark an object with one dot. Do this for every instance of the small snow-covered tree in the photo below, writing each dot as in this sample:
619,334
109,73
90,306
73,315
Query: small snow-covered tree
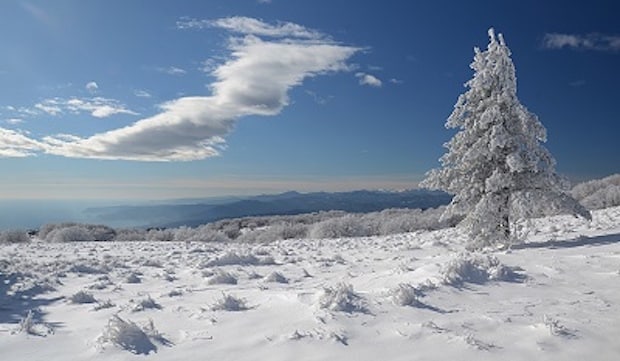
496,166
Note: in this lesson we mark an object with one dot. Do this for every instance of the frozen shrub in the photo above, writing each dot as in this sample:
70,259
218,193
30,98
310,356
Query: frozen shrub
599,193
147,304
229,303
128,336
88,269
74,232
232,258
82,297
29,326
133,278
160,235
406,295
347,226
221,278
276,277
475,268
14,236
342,298
103,305
130,235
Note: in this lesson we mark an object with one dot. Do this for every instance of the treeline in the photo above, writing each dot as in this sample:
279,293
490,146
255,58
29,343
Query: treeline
596,194
332,224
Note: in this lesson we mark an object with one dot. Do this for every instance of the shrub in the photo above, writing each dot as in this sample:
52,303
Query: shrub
474,268
342,298
146,304
82,297
221,277
128,336
229,303
14,236
276,277
406,295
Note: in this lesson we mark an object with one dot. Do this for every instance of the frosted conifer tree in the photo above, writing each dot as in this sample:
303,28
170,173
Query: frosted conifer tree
496,165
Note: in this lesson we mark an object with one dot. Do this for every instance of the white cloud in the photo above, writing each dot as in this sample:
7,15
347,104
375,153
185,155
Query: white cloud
368,79
13,121
142,93
251,26
16,144
264,1
592,41
171,70
92,87
396,81
255,80
97,107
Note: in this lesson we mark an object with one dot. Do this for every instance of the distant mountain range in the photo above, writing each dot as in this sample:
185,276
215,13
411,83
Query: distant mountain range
198,212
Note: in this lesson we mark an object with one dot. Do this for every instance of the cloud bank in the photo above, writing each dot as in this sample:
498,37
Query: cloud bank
595,41
265,62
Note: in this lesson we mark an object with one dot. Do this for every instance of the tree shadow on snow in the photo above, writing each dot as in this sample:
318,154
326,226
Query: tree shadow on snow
571,243
14,307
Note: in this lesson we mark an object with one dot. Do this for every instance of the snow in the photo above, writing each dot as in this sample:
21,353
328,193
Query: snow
402,297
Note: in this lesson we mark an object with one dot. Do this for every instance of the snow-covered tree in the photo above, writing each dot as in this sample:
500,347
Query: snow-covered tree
496,165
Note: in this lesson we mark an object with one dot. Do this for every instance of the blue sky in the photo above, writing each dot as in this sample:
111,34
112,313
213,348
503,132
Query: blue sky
176,99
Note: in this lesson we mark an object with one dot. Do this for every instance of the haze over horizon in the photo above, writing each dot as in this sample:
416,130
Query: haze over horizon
187,99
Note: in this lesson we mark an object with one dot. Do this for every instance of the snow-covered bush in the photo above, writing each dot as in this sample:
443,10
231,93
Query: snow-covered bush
223,278
406,295
275,232
30,326
346,226
130,235
232,258
599,193
342,298
229,303
129,336
75,232
476,268
146,304
276,277
14,236
82,297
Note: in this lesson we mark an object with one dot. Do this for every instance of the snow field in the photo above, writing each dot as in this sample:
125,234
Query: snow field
402,297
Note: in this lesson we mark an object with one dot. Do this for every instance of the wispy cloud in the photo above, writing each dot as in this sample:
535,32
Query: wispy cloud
251,26
593,41
97,107
142,93
14,121
368,79
254,80
17,144
171,70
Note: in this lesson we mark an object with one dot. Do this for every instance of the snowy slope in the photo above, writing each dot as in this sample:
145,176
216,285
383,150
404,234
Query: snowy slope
403,297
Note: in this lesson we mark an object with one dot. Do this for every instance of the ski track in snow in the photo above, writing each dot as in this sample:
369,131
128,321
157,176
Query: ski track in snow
562,302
